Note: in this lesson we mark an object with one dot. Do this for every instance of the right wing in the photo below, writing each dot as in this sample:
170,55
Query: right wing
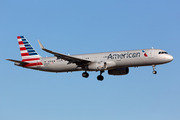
70,59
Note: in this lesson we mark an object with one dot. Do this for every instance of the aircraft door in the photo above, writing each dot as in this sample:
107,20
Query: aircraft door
151,53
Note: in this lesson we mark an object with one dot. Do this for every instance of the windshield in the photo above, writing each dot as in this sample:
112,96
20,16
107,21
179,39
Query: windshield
163,52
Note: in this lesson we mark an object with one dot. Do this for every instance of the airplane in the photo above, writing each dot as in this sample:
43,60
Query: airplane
117,63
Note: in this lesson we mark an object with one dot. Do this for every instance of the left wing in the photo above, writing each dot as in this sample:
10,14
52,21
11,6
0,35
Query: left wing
78,61
17,61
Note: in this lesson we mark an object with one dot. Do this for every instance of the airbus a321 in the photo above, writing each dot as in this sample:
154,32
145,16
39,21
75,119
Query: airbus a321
117,63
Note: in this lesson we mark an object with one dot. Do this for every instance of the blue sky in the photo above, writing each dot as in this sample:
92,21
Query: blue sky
78,27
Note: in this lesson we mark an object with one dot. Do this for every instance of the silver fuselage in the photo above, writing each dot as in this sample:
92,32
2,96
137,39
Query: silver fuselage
119,59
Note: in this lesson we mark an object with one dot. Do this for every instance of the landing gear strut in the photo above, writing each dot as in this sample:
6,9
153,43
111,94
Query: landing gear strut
100,77
154,71
85,74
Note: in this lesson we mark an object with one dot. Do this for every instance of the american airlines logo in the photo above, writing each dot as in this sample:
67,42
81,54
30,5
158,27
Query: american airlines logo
123,55
144,53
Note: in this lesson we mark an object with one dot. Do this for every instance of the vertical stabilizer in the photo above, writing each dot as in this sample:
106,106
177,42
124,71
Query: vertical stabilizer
28,53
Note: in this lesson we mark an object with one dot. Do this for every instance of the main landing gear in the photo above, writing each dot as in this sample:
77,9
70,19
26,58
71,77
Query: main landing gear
154,71
85,74
99,77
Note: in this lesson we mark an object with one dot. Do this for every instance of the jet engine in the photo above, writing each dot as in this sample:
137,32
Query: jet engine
119,71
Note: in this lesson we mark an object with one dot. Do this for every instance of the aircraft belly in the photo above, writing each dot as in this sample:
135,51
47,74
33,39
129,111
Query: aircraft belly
61,67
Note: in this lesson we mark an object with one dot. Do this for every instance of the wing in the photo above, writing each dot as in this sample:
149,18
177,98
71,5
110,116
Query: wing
70,59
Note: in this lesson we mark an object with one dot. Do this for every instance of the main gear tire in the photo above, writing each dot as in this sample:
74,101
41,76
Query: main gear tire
100,77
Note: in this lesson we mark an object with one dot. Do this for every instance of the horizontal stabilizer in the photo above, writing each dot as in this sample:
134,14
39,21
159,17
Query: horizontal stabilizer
17,61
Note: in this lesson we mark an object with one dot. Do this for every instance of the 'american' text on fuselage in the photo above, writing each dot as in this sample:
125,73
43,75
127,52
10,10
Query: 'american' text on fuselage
122,56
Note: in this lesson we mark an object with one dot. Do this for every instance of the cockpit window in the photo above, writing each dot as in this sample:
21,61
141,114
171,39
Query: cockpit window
163,53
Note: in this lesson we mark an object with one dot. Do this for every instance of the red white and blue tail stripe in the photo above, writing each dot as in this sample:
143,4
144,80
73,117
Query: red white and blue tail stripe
28,53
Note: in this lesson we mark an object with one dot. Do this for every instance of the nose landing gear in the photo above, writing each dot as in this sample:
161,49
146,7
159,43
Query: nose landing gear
154,71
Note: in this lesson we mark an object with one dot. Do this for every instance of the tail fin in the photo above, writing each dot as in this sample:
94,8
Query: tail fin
28,53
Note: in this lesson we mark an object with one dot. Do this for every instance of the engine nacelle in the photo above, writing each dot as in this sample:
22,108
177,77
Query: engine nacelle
119,71
110,64
96,66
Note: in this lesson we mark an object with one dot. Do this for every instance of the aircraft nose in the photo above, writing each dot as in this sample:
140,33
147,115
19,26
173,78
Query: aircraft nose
169,58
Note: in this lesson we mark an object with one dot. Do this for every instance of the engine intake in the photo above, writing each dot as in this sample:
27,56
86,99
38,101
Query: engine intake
119,71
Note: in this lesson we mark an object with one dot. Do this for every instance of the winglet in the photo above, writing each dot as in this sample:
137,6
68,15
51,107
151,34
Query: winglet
40,44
